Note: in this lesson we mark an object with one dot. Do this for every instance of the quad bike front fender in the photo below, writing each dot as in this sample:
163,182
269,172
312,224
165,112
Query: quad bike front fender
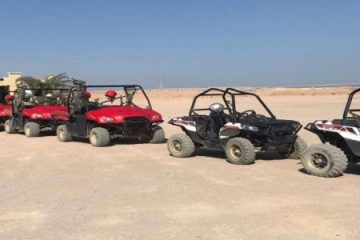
345,137
186,125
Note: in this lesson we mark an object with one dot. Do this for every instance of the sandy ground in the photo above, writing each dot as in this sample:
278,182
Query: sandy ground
53,190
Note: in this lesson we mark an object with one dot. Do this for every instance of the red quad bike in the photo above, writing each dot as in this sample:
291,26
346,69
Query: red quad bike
118,116
340,143
240,134
36,110
5,106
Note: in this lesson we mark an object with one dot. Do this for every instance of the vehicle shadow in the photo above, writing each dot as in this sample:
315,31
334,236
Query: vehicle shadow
131,141
352,168
268,156
47,134
210,153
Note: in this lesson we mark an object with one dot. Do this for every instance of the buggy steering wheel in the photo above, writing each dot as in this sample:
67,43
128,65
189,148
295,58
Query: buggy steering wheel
248,113
355,115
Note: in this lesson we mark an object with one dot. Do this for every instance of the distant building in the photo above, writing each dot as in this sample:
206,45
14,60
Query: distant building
10,80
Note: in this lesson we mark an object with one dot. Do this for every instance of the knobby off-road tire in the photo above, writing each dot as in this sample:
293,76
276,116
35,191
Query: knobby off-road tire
181,146
62,133
32,129
299,149
240,151
324,160
99,137
9,127
158,135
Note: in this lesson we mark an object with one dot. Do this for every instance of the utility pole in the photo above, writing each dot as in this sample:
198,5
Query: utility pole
161,82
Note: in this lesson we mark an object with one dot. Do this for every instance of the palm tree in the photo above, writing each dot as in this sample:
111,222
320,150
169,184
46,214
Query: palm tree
56,81
28,82
50,81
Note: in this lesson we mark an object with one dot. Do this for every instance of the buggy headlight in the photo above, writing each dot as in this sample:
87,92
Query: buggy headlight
106,119
155,117
252,128
37,115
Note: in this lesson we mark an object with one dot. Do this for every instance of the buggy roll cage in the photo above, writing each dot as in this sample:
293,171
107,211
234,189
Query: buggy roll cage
219,91
83,88
230,107
234,92
23,89
348,104
125,86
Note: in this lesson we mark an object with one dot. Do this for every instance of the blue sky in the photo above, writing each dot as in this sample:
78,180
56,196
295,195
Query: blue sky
189,43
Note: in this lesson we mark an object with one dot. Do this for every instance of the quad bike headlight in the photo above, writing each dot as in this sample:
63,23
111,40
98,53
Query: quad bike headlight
106,119
295,125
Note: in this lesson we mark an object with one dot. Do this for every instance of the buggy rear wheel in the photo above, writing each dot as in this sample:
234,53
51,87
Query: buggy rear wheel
240,151
62,133
99,137
181,146
158,135
324,160
32,129
9,127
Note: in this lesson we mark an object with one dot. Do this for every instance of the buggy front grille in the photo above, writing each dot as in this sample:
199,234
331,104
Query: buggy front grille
281,130
137,126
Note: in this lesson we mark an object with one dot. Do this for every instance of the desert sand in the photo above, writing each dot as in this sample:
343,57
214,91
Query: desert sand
53,190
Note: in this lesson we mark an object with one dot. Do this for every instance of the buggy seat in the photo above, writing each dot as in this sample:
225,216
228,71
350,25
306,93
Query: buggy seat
352,122
216,122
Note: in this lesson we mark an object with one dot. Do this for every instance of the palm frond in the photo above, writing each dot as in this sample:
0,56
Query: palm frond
29,82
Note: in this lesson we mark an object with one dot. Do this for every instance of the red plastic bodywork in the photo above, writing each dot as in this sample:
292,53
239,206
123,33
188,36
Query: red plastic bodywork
118,114
5,111
45,112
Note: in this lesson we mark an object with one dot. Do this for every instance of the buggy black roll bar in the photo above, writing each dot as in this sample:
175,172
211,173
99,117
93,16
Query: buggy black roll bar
114,86
349,101
35,89
233,92
122,86
206,93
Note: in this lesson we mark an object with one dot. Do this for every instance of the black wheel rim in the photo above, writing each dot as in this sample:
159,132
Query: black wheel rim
177,146
319,160
235,151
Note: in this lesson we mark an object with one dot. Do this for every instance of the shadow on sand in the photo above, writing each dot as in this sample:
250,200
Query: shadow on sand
269,156
352,168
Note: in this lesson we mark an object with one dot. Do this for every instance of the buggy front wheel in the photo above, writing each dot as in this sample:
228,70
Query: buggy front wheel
9,127
240,151
62,133
181,146
158,135
324,160
298,149
99,137
32,129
